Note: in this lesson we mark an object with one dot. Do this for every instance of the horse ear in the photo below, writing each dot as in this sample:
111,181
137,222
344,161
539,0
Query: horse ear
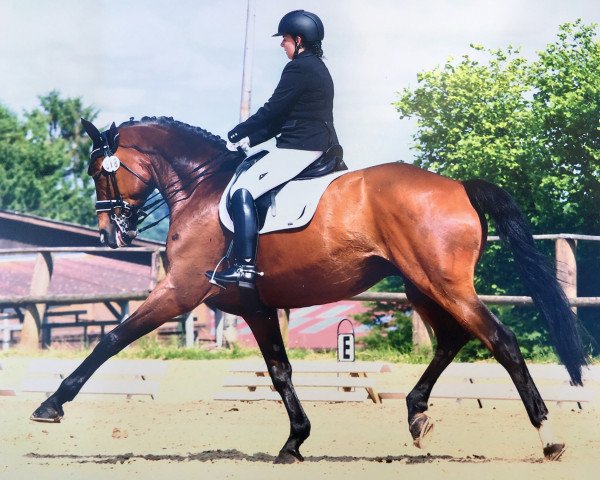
92,131
113,137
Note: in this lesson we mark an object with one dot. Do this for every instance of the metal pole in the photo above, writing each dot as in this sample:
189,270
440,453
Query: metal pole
248,57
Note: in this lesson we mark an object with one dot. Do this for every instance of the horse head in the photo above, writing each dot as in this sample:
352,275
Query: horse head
123,180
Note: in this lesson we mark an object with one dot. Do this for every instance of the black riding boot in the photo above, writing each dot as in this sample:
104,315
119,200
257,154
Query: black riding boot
245,242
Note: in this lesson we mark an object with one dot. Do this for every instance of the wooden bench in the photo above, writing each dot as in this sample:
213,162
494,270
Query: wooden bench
553,382
538,372
49,373
314,381
490,381
67,313
77,322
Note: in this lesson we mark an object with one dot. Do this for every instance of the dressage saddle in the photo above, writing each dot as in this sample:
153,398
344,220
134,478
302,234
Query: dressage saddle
331,161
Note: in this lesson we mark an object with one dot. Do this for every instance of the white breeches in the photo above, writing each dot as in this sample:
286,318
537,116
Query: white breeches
279,166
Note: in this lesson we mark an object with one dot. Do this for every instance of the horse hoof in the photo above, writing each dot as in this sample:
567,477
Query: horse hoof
287,457
554,452
47,413
420,428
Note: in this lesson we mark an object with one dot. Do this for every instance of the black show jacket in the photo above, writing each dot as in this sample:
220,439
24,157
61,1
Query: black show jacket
300,110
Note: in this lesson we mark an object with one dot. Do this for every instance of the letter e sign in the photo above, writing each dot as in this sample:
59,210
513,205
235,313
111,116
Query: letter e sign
346,347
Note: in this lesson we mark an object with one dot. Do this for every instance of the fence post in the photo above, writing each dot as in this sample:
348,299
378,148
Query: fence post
284,323
229,329
203,314
566,266
189,330
420,334
34,315
158,268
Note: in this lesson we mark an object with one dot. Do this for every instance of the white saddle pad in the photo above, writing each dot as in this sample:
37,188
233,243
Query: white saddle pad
294,207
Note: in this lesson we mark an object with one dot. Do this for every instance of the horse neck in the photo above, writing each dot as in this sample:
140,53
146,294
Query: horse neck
198,175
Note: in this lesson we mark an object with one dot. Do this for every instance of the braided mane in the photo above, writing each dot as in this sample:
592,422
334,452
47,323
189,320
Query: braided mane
204,135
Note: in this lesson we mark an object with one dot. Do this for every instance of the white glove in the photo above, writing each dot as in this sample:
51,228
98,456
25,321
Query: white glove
244,144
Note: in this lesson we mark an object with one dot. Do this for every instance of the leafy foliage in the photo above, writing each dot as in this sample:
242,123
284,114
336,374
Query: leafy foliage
44,160
159,231
532,127
390,322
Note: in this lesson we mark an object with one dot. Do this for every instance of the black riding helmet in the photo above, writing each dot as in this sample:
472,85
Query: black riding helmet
301,23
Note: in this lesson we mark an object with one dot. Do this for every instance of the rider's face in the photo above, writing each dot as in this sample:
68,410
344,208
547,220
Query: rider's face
289,45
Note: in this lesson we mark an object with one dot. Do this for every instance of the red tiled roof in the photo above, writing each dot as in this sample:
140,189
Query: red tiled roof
75,274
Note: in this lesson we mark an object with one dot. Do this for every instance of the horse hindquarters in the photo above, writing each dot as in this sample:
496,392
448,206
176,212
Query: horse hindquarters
435,238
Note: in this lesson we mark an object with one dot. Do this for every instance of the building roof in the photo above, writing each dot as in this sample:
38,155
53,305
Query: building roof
73,272
18,230
77,273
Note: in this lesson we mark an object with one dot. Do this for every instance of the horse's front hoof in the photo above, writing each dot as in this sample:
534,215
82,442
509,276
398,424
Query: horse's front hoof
288,457
48,413
420,428
554,452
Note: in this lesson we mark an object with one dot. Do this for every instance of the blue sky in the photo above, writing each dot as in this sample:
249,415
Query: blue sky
184,58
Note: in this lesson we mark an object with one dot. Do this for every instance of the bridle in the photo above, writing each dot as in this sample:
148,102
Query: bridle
123,215
128,216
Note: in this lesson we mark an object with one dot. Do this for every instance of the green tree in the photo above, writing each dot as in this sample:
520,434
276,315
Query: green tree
44,160
529,126
566,109
532,127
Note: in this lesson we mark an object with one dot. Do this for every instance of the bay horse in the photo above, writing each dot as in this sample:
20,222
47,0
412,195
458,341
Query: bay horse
389,219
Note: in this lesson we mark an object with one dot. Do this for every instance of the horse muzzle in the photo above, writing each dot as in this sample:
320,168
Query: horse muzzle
109,237
115,238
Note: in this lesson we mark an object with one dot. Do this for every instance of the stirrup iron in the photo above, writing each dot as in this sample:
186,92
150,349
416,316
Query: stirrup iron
211,279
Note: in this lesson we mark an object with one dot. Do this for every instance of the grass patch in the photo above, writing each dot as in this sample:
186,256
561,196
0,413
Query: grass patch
171,349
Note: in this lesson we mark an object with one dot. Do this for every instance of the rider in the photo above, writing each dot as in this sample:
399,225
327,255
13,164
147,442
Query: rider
300,112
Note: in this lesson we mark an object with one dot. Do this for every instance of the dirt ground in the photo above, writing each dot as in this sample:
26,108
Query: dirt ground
183,433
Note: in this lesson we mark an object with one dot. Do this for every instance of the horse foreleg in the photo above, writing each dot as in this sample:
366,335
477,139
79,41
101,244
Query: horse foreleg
450,339
160,306
265,327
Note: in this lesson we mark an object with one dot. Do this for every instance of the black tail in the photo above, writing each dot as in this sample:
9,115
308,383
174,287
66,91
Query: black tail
536,270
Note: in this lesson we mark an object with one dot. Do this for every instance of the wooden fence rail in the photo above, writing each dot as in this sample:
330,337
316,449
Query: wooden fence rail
75,299
488,299
29,300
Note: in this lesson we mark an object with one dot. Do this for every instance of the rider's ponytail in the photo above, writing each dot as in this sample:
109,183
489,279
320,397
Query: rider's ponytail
314,47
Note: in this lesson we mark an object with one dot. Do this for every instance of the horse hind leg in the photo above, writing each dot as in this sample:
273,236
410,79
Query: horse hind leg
451,337
475,318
